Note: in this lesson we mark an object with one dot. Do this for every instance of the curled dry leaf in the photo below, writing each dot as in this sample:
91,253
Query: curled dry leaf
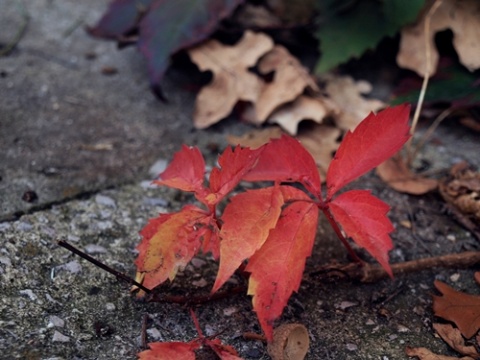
462,17
303,108
347,93
290,342
399,177
425,354
289,81
232,81
455,340
256,138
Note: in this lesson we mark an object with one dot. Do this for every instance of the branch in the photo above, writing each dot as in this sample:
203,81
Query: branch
369,273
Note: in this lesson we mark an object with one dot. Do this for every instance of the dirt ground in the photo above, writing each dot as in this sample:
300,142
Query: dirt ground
87,145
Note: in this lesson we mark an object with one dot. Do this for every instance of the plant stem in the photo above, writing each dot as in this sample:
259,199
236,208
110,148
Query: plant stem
337,230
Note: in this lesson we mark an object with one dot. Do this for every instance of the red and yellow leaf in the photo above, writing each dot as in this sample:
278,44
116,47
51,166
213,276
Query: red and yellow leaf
170,351
363,217
286,160
169,243
460,308
234,164
247,221
277,268
185,172
374,140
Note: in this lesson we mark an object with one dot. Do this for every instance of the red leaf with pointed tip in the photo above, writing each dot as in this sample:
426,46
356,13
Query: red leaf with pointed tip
224,352
247,221
185,172
170,242
277,267
286,160
373,141
364,218
170,351
234,164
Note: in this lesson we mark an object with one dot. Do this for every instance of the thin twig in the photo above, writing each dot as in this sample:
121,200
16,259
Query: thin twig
369,273
426,77
144,331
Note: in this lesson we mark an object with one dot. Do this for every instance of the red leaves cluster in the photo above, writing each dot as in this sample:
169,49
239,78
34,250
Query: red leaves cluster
273,227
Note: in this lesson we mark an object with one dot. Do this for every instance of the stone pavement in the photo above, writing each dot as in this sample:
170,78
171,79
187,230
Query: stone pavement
78,149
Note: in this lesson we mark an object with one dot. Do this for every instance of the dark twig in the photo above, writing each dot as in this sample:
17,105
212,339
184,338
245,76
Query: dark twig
144,332
371,273
102,266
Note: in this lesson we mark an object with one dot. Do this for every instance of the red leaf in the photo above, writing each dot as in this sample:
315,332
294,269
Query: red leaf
224,352
185,172
286,160
247,221
364,218
169,243
373,141
170,351
277,268
234,164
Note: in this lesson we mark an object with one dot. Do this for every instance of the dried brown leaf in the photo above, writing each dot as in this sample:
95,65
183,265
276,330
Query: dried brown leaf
289,81
462,17
303,108
347,93
460,308
399,177
455,340
321,141
425,354
232,81
256,138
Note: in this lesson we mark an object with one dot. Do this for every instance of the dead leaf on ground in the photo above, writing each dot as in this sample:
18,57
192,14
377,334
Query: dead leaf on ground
460,308
232,81
399,177
462,190
321,141
303,108
348,95
461,17
256,138
455,340
289,81
425,354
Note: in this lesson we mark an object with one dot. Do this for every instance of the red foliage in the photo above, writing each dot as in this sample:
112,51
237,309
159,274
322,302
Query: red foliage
274,227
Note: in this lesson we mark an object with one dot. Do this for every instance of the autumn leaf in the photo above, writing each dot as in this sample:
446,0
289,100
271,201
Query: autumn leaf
372,142
232,80
460,308
277,267
164,27
364,218
170,351
247,220
170,242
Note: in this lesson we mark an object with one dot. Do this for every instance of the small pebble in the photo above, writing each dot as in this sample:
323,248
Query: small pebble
229,311
200,283
455,277
158,167
110,306
351,347
198,263
95,249
345,305
105,201
5,261
55,321
402,329
154,334
59,337
73,267
29,293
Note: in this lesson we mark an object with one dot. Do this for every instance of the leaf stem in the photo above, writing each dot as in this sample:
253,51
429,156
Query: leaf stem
336,228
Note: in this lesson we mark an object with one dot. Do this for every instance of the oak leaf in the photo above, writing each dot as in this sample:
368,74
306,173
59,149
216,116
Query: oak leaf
232,80
461,17
425,354
460,308
455,340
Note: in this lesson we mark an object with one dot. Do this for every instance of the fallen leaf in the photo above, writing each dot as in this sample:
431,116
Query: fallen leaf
302,108
321,141
425,354
169,351
232,80
460,308
289,80
347,94
399,177
455,340
461,17
256,138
